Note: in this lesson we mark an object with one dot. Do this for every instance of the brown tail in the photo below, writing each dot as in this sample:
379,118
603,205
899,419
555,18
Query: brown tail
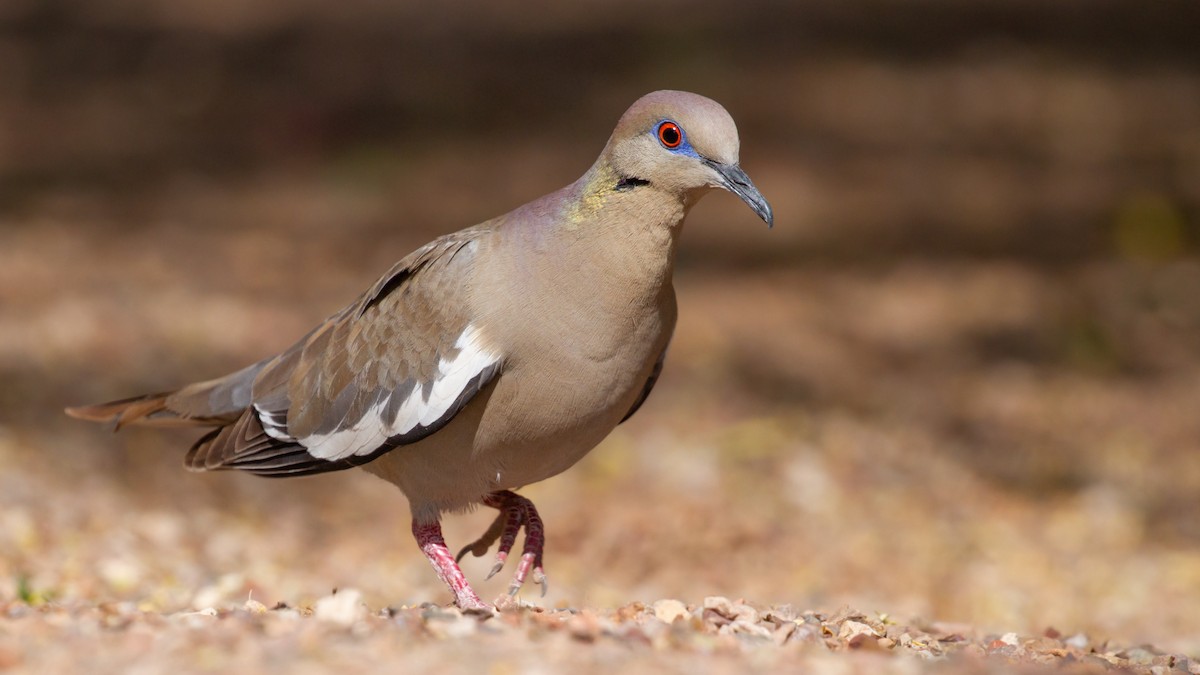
210,403
150,409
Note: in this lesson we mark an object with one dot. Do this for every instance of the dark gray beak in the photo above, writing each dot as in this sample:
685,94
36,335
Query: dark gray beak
736,181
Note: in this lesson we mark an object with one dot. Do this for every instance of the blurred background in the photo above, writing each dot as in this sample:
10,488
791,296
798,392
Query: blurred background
960,379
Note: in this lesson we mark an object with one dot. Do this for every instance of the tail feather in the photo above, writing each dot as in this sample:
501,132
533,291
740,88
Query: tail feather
150,409
210,403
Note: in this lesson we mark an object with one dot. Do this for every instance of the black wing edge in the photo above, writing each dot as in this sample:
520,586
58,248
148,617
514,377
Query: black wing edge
273,458
650,382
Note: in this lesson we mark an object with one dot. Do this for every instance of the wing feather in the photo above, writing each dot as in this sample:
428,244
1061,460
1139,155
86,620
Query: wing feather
655,372
388,370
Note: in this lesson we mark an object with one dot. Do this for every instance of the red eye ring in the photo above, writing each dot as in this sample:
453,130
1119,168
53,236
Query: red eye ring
670,135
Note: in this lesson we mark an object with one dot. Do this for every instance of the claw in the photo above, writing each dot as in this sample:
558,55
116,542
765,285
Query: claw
500,558
463,553
481,545
516,514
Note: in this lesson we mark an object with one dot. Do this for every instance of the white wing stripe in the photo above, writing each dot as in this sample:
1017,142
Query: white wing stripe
273,423
418,409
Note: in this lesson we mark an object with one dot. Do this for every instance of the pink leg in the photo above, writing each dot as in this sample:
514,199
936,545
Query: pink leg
516,512
429,538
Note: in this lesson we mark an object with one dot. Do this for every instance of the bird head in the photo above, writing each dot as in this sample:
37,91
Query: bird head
683,143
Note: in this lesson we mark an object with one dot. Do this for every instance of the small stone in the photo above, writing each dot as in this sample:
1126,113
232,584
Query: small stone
456,628
744,613
779,615
431,612
1078,641
783,632
584,626
507,603
630,612
864,642
720,605
746,628
1140,656
343,607
806,632
851,630
668,611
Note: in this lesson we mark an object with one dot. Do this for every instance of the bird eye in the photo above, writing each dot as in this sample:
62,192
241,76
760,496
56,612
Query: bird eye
670,135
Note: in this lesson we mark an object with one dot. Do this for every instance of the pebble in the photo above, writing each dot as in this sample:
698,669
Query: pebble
667,611
344,607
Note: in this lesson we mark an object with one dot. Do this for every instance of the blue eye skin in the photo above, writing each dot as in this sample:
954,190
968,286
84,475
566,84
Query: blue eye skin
671,136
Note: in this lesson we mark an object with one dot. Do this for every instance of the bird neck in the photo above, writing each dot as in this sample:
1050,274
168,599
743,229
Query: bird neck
604,197
626,219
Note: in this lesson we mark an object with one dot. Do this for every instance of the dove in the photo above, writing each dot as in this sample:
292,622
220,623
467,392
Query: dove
490,358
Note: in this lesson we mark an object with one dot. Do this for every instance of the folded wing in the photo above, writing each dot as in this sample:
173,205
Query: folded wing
390,369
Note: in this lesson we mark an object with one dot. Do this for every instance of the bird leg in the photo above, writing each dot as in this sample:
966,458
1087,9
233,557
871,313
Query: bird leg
516,512
429,538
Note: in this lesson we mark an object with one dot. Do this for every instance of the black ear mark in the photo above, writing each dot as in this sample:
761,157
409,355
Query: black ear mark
629,183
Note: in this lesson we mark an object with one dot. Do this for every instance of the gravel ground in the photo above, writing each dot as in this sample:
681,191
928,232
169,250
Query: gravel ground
341,632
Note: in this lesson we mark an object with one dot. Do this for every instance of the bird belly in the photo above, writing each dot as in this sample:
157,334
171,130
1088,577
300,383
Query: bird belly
538,418
551,408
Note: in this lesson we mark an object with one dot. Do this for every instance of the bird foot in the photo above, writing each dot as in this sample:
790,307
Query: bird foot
516,512
433,545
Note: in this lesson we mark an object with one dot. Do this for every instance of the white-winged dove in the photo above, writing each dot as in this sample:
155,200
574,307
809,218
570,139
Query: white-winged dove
490,358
